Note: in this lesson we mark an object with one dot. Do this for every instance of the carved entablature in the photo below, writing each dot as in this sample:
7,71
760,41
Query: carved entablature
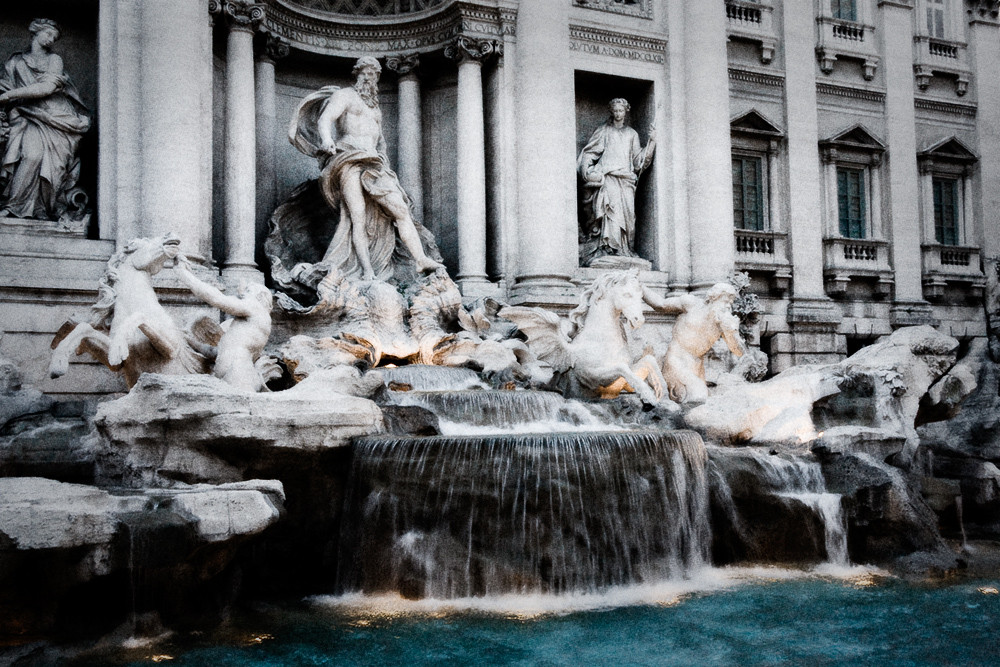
627,46
350,36
641,8
988,10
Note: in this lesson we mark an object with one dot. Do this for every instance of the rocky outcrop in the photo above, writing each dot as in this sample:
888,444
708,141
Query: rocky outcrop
888,523
197,429
78,559
884,386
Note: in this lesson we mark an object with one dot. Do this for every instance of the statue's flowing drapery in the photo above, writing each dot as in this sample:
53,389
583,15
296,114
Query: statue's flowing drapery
40,163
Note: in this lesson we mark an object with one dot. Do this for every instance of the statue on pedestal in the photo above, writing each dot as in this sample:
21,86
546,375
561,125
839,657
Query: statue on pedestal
610,165
45,122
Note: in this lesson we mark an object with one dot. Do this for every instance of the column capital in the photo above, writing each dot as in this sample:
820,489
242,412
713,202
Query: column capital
984,11
243,15
403,65
466,48
273,48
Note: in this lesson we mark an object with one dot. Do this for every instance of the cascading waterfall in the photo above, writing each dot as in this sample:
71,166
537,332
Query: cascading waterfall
521,411
800,479
451,517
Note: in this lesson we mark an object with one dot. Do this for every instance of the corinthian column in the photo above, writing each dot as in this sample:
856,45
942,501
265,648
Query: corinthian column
471,162
242,17
273,50
409,130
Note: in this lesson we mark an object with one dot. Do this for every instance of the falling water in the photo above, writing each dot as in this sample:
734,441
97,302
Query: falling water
801,479
475,412
451,517
419,377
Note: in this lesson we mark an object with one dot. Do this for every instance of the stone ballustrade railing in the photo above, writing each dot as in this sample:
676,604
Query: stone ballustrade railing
753,21
844,259
839,38
933,56
959,265
765,252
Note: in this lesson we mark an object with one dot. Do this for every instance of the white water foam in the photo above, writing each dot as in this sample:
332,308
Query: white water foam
666,593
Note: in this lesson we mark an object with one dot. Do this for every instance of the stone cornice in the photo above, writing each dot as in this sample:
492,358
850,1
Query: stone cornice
968,110
420,32
759,78
628,46
902,4
986,11
851,92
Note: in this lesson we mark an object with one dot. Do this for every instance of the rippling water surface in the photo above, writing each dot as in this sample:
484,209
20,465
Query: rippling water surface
721,617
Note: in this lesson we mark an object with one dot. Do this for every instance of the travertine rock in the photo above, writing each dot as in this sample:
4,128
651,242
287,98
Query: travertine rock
200,429
881,387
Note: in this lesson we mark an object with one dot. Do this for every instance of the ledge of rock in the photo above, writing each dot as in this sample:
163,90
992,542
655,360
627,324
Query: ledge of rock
196,428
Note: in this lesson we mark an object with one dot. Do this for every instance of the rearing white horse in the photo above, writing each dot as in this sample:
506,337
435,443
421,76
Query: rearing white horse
129,330
589,350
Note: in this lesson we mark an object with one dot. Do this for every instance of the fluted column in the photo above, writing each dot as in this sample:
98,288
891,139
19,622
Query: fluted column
273,49
409,130
709,166
242,18
471,162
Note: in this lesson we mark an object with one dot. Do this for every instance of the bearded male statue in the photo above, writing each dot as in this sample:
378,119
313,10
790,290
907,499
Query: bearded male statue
342,128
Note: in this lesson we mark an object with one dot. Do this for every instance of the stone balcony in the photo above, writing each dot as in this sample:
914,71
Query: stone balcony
838,38
938,57
959,265
753,22
765,252
844,259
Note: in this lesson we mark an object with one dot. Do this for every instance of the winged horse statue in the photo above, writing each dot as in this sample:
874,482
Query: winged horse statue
129,330
589,350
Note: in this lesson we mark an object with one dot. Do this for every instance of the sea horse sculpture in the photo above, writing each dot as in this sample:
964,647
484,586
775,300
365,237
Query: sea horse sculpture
129,331
589,351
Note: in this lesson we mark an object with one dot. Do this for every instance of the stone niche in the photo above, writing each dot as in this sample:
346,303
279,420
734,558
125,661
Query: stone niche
77,46
593,92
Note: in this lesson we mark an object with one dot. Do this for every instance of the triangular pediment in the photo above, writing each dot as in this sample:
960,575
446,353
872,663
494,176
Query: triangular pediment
857,137
951,149
754,122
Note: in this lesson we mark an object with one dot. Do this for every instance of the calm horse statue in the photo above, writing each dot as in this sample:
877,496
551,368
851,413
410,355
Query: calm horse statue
589,351
129,331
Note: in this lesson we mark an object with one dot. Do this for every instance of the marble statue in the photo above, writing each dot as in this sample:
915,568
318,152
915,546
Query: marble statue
700,324
342,128
589,352
610,165
46,120
129,331
239,348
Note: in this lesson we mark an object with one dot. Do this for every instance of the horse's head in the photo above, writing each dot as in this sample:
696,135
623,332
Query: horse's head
627,295
150,255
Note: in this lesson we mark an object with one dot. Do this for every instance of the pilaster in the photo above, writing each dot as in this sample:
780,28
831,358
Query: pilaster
709,168
546,156
896,43
984,50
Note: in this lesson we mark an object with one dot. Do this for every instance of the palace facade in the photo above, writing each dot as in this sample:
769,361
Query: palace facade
844,153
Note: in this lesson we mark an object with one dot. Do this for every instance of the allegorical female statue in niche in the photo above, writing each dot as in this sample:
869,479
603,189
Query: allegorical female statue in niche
610,165
46,120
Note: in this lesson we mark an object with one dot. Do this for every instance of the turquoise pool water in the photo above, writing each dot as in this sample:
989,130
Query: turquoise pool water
733,620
